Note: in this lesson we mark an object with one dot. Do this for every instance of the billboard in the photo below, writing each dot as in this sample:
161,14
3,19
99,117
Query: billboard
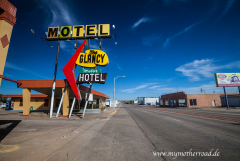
227,79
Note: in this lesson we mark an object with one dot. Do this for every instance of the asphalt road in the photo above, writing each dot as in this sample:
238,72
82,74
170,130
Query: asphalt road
134,132
190,130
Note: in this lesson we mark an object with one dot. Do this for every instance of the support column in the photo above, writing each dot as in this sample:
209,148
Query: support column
65,103
7,21
26,101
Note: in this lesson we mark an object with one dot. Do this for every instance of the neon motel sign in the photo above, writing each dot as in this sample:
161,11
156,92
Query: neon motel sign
79,31
90,59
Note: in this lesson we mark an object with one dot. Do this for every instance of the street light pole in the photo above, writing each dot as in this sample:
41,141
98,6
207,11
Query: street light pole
155,93
114,92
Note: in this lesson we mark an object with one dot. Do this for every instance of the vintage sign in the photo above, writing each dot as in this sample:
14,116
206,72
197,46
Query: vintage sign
79,31
227,79
89,70
92,77
69,68
92,58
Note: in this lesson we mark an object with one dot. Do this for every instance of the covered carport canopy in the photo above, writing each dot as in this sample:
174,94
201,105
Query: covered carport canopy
45,86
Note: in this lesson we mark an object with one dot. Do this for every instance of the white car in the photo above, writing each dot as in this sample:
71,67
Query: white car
2,105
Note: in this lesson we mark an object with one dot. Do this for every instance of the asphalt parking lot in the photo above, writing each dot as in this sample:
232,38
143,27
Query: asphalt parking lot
20,136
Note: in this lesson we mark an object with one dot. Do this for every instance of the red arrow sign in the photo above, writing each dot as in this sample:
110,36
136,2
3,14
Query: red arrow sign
69,68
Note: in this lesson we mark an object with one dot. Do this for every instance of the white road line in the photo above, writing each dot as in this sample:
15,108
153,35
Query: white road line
173,119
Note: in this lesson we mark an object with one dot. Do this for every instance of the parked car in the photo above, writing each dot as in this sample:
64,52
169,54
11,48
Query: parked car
2,105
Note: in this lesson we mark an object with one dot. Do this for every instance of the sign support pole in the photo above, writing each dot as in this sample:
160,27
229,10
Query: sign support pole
60,104
114,95
87,100
226,98
88,44
73,103
54,79
74,99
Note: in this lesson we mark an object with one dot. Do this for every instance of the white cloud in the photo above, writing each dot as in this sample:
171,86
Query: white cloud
228,6
131,90
203,68
207,88
154,87
116,64
149,40
60,13
144,19
119,67
13,66
167,41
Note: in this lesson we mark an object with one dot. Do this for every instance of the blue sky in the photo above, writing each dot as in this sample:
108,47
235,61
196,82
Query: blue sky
163,46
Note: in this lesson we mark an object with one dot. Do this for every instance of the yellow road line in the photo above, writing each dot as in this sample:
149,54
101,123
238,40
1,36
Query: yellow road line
105,119
114,112
8,148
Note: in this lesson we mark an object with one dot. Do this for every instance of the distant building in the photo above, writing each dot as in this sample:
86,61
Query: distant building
110,103
233,100
182,99
135,102
148,100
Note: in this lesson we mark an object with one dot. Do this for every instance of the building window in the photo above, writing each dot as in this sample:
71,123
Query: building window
89,105
181,102
95,103
171,102
174,103
46,102
193,102
166,103
21,102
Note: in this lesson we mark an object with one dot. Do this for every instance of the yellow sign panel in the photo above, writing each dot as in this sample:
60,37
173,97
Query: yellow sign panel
91,30
65,31
103,29
52,32
78,31
92,58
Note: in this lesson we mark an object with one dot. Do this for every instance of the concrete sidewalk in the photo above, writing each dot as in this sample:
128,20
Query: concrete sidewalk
120,139
106,136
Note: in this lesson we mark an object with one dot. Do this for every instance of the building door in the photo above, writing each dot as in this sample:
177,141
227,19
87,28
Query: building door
57,103
233,101
213,102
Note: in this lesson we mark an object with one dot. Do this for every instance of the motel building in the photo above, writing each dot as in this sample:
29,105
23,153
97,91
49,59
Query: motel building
27,102
182,99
